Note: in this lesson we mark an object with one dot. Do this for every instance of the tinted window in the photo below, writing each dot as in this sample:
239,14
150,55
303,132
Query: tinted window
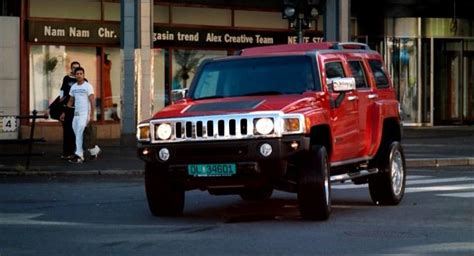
255,76
379,74
334,69
358,73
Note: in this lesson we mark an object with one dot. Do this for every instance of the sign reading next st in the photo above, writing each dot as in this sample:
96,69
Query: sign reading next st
40,31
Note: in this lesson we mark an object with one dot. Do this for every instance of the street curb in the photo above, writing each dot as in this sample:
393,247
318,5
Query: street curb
440,162
410,163
74,173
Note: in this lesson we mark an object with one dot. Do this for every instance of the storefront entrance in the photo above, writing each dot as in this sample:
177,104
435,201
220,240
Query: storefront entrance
454,82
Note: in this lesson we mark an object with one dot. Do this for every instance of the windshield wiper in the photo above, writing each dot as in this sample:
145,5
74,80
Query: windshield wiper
262,93
209,97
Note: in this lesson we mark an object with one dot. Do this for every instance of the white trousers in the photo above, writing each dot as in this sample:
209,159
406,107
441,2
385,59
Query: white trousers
79,123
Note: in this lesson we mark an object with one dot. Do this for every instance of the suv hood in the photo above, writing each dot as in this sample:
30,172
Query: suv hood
284,103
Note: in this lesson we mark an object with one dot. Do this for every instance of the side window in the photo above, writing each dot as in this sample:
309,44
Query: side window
334,69
358,73
381,79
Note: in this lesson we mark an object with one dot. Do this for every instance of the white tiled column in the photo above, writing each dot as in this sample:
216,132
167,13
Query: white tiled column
145,92
9,72
337,20
137,89
344,20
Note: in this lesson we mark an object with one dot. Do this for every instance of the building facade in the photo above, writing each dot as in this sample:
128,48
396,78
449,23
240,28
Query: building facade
136,53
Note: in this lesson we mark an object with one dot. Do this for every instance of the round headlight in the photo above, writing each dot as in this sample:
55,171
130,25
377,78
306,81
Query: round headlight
164,131
264,126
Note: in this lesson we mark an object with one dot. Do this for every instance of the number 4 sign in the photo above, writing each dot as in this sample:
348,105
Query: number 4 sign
9,124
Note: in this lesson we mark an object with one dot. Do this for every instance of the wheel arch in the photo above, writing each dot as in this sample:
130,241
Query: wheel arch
321,135
391,131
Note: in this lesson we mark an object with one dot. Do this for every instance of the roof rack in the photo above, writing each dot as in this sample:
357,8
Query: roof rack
350,45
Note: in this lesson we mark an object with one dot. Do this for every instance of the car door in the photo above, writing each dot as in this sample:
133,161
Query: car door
367,98
344,116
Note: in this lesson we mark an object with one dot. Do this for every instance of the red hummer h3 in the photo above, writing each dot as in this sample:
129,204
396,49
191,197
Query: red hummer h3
288,117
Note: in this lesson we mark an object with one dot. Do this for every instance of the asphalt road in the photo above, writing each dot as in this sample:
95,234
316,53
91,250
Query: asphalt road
109,216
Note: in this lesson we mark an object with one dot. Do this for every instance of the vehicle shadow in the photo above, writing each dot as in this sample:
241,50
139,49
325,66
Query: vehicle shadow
280,207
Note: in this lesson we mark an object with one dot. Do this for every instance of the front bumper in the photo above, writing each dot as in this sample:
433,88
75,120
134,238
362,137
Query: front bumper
252,168
223,151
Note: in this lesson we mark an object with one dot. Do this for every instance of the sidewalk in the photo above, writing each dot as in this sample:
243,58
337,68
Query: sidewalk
424,147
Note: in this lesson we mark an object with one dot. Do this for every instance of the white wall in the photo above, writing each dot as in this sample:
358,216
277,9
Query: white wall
9,71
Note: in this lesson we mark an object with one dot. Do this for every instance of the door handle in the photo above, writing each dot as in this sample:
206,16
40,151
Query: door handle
352,98
372,96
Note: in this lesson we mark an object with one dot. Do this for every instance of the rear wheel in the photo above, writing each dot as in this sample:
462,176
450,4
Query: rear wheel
165,195
314,187
387,187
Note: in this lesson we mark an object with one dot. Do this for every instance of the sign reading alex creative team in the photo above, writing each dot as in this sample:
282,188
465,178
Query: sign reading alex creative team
74,32
196,37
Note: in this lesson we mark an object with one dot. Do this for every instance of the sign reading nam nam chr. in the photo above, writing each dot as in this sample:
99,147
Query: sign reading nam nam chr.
74,32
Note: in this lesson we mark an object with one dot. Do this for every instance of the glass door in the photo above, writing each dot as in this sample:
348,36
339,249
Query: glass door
403,65
448,85
469,85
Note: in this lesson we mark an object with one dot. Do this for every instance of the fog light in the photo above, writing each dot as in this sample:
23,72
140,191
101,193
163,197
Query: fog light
164,154
145,152
294,145
265,149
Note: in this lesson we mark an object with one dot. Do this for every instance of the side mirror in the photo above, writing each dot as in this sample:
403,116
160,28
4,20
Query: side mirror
343,84
179,94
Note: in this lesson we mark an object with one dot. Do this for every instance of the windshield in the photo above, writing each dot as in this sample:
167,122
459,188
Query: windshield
254,76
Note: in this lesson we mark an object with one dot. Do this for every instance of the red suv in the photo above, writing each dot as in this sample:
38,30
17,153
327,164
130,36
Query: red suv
287,117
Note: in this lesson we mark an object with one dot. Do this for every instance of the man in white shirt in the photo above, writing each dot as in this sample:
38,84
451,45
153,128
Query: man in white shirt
83,100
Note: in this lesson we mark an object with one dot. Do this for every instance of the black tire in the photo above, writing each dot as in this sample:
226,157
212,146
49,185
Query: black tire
165,195
387,187
257,194
314,186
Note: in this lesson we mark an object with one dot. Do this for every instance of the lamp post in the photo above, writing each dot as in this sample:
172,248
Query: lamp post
300,13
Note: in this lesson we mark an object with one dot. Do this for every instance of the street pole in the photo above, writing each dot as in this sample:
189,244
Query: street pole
300,30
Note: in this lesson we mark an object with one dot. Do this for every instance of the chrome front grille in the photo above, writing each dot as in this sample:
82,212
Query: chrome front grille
213,128
219,127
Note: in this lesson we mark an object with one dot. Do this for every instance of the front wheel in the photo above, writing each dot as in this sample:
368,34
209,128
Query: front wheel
165,195
314,187
387,187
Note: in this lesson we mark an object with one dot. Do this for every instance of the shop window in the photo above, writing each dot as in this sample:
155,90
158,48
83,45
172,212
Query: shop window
112,10
109,96
259,19
66,9
201,16
48,64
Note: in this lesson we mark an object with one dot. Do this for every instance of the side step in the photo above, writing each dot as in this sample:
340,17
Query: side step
353,175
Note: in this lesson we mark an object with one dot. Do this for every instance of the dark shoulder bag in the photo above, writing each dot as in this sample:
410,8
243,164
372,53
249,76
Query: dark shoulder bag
56,108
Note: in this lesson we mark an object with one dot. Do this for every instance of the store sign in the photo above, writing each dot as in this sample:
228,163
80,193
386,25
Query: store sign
224,38
73,32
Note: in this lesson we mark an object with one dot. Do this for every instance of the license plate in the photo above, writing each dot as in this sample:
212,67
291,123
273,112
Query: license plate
212,170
